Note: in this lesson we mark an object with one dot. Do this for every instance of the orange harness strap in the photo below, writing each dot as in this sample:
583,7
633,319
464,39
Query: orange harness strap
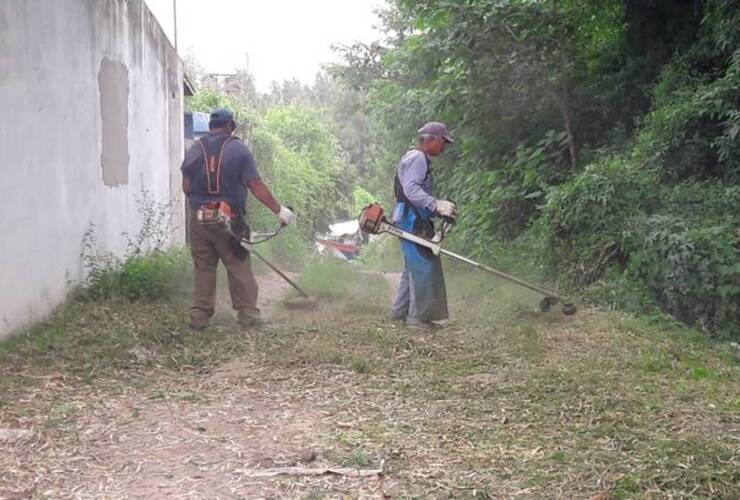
213,165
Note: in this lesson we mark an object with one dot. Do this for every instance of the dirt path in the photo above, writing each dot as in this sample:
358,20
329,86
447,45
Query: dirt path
189,436
501,403
272,289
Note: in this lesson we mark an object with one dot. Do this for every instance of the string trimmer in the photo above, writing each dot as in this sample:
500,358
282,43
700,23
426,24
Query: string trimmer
223,215
373,221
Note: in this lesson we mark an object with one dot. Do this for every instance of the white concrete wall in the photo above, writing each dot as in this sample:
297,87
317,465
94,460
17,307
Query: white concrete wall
51,138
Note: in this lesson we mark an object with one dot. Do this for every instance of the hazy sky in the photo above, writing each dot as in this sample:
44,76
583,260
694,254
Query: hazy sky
279,38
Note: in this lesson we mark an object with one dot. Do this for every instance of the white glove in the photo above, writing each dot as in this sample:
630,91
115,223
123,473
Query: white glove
446,209
286,216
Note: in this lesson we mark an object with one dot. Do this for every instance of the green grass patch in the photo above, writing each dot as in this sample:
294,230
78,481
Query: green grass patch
626,487
335,279
354,290
360,364
358,459
60,417
90,339
558,456
383,254
154,276
528,342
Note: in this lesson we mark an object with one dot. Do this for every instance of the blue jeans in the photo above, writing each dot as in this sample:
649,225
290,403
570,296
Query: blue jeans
421,295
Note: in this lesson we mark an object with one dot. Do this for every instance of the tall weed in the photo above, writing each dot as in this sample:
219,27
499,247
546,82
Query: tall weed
147,270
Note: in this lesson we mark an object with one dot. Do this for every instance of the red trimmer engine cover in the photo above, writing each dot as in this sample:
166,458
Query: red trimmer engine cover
371,217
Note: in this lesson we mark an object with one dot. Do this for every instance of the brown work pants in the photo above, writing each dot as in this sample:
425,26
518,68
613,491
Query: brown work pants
208,244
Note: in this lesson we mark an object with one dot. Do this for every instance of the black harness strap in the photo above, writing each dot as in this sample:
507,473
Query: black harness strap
421,226
398,192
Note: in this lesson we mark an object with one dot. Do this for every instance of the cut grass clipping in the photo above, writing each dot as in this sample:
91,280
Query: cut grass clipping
501,403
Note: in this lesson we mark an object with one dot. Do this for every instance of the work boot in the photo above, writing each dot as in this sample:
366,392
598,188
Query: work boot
196,326
427,326
397,319
248,321
199,319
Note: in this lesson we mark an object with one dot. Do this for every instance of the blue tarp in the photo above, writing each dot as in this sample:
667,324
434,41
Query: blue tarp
196,125
200,123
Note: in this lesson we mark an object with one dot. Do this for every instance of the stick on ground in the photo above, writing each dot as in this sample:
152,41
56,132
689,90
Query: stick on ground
316,471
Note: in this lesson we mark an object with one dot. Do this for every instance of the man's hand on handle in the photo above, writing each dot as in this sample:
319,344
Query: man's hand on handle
263,194
286,216
446,208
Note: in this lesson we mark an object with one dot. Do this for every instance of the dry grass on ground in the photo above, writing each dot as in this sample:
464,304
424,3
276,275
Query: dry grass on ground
118,400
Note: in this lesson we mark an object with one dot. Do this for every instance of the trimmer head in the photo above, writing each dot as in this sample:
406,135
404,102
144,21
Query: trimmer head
301,303
546,304
569,309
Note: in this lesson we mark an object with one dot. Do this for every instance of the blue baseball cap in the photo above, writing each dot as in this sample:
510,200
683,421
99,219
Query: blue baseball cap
221,115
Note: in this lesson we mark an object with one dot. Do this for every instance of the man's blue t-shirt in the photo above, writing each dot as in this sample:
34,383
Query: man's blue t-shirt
237,168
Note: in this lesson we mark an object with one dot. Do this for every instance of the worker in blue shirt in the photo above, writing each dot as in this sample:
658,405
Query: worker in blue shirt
218,171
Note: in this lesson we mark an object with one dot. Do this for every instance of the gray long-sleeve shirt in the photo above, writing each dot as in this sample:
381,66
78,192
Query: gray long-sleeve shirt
417,185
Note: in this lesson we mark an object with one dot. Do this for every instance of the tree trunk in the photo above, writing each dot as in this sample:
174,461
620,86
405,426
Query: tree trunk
562,95
563,104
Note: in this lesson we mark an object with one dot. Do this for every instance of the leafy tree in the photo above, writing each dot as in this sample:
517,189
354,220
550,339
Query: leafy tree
602,131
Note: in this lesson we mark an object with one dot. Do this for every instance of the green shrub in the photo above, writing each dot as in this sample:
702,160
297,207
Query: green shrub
620,289
591,217
156,276
147,270
500,199
693,271
639,244
694,132
703,203
361,198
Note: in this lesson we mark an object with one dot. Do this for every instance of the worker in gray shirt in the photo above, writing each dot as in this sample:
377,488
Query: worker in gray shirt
421,298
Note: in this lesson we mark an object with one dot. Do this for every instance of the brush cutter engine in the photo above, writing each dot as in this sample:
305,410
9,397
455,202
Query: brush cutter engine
216,213
371,218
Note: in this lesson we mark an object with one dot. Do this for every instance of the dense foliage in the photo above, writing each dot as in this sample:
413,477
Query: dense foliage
604,133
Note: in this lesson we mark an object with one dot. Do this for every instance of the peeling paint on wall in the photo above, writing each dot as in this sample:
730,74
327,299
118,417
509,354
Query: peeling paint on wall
114,90
102,74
